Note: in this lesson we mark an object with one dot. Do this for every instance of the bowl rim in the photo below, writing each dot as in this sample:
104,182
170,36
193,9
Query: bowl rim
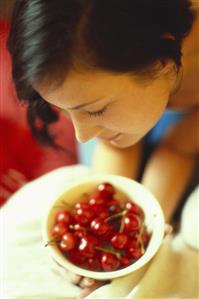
97,178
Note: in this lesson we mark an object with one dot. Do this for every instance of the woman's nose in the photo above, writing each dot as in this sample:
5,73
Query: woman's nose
86,132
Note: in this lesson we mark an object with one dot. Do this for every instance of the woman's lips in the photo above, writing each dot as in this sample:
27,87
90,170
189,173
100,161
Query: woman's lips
114,137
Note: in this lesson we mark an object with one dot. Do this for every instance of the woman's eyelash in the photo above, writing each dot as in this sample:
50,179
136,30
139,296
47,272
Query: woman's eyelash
97,113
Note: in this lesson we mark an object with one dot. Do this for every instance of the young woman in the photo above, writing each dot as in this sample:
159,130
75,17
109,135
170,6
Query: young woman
115,68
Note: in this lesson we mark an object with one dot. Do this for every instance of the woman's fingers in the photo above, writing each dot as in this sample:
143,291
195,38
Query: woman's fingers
87,282
75,278
168,229
86,291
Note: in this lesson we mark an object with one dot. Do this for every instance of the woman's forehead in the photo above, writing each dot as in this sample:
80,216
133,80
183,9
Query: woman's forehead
83,87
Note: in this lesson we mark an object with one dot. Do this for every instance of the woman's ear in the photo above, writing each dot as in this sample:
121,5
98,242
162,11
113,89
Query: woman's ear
172,74
168,68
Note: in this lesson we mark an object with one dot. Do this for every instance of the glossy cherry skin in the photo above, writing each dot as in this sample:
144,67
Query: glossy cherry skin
82,205
97,199
108,235
68,242
109,262
131,207
79,230
101,211
64,216
119,240
132,242
76,257
131,222
87,246
93,263
99,226
113,206
124,261
106,190
84,215
134,253
59,229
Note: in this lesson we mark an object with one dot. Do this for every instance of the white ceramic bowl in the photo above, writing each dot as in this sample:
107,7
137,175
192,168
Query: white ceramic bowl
154,220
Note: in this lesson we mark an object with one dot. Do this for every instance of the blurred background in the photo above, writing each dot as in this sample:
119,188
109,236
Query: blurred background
22,159
6,8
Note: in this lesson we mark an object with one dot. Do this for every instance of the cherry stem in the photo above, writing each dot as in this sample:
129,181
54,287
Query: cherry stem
140,239
120,214
64,204
122,224
118,255
52,242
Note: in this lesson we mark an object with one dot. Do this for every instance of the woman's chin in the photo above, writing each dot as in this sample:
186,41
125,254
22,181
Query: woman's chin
124,142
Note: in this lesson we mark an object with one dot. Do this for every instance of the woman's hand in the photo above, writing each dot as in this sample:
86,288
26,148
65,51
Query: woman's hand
87,284
168,229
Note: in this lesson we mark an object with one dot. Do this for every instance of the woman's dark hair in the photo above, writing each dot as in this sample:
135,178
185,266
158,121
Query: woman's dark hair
49,38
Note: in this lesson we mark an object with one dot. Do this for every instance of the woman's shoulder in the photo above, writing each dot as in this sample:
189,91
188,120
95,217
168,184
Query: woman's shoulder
195,4
187,95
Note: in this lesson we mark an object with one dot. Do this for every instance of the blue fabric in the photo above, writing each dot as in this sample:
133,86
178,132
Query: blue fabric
168,119
86,151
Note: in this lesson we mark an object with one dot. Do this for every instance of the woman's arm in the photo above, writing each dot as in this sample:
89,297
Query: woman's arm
171,166
111,160
166,175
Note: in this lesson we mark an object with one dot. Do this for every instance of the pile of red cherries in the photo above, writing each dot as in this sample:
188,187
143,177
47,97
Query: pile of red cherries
99,233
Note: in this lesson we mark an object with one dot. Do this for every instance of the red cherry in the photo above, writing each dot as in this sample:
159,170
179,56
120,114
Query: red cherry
132,207
119,240
106,190
84,216
68,242
109,262
132,242
97,199
81,205
79,230
65,217
108,235
124,262
131,222
75,257
93,264
134,253
59,229
87,246
113,206
101,211
99,226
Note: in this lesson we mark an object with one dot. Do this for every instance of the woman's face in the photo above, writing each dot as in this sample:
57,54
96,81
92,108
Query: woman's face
111,107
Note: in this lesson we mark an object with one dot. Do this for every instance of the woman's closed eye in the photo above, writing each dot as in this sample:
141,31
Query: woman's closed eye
97,113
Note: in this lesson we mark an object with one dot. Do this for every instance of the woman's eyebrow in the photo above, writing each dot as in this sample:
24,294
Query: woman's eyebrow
85,104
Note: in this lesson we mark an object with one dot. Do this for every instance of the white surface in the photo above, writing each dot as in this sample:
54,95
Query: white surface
26,269
27,272
190,220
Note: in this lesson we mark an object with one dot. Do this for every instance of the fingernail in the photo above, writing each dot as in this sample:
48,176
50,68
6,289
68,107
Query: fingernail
88,281
75,278
169,228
